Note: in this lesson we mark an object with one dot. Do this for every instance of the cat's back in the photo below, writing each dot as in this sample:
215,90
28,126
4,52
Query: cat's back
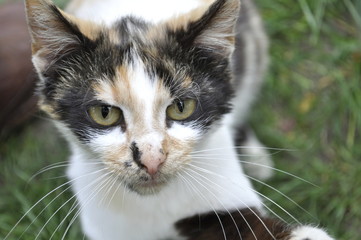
109,11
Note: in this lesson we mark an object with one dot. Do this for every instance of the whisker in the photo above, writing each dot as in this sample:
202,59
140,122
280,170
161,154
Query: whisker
281,193
234,222
217,175
44,169
91,197
264,166
190,184
40,200
279,206
106,195
66,202
32,222
245,147
123,198
54,166
258,193
267,229
116,190
238,154
58,177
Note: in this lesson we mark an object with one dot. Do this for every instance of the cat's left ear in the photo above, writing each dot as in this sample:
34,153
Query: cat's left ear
54,32
211,27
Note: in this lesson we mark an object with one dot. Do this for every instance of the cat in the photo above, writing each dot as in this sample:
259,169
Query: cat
152,97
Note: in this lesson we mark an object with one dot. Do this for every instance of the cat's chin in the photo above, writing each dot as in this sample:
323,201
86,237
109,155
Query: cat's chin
150,187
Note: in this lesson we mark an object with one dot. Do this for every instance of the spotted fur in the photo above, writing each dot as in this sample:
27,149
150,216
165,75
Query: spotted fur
148,161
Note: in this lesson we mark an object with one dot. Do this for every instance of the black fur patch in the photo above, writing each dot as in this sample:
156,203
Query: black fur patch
68,80
136,154
68,86
248,223
186,37
210,74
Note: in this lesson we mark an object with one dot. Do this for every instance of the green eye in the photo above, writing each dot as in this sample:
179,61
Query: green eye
181,110
104,115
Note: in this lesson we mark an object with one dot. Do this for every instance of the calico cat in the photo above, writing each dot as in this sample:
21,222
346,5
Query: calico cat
151,96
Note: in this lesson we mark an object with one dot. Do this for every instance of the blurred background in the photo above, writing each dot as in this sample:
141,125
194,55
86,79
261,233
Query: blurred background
310,106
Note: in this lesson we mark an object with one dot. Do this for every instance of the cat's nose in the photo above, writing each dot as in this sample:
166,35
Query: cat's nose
149,157
152,163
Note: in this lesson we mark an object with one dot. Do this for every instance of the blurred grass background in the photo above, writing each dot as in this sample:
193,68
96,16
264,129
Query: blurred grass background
310,104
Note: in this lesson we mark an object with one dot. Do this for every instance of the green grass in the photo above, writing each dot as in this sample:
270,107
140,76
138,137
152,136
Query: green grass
310,104
22,157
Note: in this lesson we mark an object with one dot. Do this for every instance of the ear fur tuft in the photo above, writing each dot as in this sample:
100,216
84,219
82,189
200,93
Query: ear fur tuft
52,31
211,27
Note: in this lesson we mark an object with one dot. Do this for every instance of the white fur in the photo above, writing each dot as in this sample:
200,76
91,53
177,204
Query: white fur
144,90
103,141
183,132
114,212
108,11
125,214
134,217
309,233
256,158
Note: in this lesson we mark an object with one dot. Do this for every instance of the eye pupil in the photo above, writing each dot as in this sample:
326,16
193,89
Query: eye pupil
105,111
181,109
180,105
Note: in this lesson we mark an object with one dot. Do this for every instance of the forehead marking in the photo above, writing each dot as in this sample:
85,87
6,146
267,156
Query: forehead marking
135,92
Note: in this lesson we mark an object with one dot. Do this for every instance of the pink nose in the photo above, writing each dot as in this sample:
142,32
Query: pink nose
151,158
152,163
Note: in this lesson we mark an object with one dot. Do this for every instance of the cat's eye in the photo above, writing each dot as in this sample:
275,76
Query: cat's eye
181,109
105,115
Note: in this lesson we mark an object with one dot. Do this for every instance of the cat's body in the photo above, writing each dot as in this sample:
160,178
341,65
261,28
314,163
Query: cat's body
147,217
119,212
145,103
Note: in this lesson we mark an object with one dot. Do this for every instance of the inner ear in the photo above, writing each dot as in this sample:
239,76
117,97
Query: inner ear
211,26
54,33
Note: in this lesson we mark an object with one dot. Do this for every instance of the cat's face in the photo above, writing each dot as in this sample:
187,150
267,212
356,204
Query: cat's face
137,97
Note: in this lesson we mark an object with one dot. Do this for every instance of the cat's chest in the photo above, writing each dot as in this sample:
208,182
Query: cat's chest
109,11
132,217
116,211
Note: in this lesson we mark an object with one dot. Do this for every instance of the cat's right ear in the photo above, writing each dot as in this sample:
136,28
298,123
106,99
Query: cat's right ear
53,32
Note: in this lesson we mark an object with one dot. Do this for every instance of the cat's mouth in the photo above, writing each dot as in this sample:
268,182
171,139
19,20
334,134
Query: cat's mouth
147,185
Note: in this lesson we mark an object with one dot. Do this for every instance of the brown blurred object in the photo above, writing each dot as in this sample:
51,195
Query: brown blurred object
17,77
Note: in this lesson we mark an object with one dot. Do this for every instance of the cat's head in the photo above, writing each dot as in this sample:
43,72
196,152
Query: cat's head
136,96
